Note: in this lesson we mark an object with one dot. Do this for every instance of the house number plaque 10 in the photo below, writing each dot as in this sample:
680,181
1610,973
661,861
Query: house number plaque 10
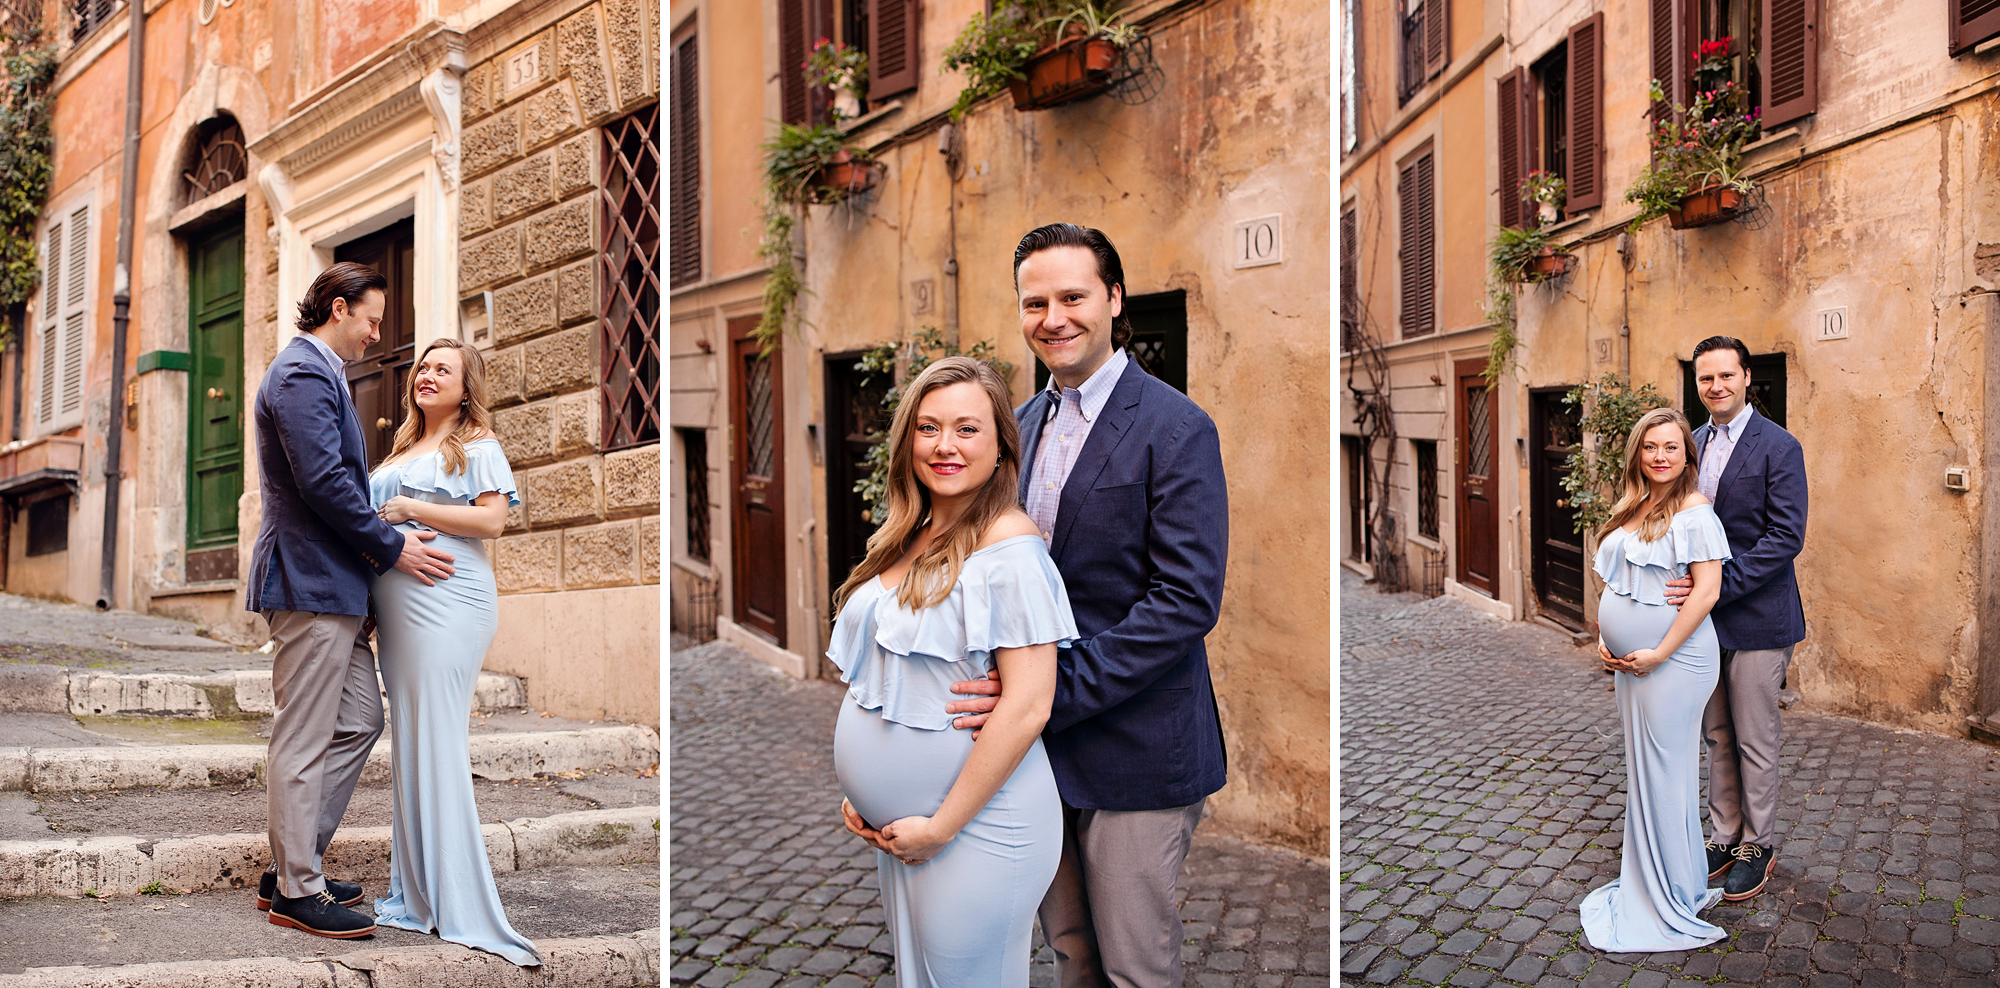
1257,242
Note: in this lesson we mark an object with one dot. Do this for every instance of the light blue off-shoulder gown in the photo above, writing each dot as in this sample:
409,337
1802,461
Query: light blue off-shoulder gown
430,644
1662,878
962,918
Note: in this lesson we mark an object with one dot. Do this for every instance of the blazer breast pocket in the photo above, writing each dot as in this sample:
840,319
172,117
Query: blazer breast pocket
1117,496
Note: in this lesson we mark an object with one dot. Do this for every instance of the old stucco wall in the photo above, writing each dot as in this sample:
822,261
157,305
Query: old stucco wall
1877,205
580,558
1229,137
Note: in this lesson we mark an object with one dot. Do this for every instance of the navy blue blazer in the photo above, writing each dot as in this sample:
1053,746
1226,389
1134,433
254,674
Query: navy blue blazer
1761,499
1141,538
319,541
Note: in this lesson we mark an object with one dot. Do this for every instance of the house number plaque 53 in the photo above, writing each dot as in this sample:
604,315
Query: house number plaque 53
1258,242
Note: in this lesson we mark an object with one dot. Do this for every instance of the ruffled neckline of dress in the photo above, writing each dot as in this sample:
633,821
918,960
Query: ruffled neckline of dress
902,662
1639,569
426,474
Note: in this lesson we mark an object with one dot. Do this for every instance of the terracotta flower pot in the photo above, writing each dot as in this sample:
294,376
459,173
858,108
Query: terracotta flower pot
1711,205
1066,71
846,175
1547,263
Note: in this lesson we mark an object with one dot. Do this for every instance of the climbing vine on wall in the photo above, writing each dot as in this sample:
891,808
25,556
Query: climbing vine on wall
25,107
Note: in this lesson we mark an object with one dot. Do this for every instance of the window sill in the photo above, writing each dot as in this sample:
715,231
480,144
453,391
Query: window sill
872,117
1573,222
1425,541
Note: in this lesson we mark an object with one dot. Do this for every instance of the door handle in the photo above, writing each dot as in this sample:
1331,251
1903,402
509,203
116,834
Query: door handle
381,423
217,394
1562,502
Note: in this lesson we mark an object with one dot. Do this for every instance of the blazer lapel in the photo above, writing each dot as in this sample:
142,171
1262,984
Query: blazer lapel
1752,431
1105,434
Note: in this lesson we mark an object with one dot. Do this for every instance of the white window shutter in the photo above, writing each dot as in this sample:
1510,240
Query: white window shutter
45,392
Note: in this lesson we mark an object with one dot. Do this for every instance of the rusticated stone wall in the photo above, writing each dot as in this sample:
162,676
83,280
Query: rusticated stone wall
529,216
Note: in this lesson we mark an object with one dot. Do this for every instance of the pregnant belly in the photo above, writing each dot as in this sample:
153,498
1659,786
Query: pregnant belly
1628,626
889,771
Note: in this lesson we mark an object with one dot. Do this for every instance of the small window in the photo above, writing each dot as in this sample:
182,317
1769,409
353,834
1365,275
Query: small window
694,490
88,15
1426,456
1350,281
628,280
64,320
48,525
1423,42
216,161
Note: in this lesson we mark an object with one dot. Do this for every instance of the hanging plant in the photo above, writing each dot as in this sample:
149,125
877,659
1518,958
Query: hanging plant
924,346
991,51
800,166
25,107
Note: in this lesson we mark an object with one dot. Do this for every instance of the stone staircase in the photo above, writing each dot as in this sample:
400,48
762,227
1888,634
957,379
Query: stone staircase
132,823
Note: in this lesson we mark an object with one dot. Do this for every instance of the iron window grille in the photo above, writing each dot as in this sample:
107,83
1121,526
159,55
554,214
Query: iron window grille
1427,486
218,161
629,281
88,15
694,464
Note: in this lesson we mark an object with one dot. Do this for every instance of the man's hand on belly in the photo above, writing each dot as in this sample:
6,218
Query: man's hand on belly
987,692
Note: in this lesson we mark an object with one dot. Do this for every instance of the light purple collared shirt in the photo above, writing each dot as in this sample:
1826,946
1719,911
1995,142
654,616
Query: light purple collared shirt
1715,456
1062,439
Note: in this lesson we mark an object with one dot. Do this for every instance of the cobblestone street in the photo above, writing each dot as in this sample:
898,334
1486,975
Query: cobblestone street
1482,795
768,889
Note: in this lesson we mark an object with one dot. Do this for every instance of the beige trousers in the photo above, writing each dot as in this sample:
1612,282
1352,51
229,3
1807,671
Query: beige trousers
1741,731
1110,914
329,715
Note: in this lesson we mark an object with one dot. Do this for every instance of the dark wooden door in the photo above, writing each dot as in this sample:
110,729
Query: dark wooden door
377,379
854,420
1478,480
757,471
1555,430
215,403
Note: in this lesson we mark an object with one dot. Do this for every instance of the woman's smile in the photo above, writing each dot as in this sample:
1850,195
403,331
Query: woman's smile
946,469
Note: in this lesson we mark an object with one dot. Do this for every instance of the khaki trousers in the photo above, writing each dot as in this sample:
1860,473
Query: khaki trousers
329,713
1741,731
1110,914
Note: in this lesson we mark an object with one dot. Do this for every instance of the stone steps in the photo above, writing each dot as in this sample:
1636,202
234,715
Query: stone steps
518,755
123,865
231,693
612,961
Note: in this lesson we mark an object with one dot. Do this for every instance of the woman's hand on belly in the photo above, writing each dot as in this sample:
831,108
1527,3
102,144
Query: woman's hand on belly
859,827
915,839
1639,663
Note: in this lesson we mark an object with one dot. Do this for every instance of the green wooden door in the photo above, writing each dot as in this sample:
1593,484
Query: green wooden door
215,403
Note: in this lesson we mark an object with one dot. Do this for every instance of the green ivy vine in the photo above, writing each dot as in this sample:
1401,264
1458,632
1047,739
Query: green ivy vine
25,108
1611,407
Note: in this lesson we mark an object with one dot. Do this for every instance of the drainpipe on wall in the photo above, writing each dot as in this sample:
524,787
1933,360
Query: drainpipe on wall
121,302
948,146
1983,720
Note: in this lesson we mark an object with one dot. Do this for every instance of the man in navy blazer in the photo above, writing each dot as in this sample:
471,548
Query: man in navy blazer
1124,476
1755,473
317,550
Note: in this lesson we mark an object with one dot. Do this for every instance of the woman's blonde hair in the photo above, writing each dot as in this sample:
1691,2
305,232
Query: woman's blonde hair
936,569
475,421
1632,500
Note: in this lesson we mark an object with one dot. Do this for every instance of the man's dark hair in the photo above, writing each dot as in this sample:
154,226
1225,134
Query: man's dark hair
1724,343
342,279
1110,269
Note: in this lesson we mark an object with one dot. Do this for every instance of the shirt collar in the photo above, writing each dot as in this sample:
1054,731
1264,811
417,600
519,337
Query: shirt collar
326,350
1095,391
1736,425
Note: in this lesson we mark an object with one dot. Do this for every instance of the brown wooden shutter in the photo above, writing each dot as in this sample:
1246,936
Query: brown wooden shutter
1437,36
893,58
684,162
1584,171
792,50
1416,192
1350,278
1791,60
1973,22
1511,141
1671,64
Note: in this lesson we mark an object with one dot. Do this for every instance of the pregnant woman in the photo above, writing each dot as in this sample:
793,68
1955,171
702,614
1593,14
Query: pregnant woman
445,473
957,581
1666,662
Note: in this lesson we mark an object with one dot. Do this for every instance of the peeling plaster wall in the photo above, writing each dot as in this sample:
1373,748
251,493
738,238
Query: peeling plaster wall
1240,130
